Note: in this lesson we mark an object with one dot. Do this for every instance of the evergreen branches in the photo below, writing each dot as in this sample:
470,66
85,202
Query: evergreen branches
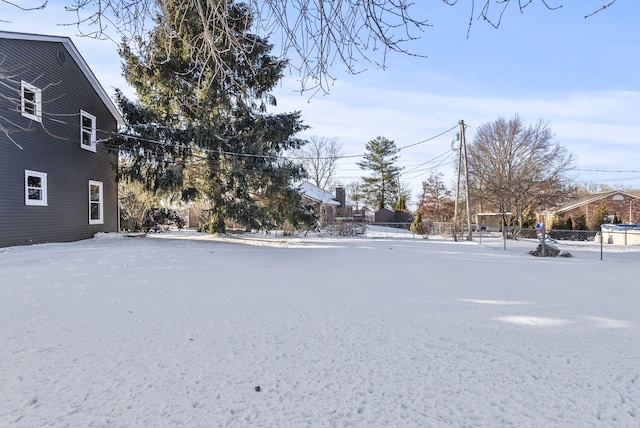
209,139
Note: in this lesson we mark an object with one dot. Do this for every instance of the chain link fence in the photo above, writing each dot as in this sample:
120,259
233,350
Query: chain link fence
619,243
389,230
371,230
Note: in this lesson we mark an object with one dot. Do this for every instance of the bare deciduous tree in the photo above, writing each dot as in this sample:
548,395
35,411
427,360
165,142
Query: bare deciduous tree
514,167
436,201
312,34
135,201
354,193
319,158
318,32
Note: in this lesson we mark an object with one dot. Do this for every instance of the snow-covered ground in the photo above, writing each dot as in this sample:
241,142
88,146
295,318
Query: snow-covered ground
335,332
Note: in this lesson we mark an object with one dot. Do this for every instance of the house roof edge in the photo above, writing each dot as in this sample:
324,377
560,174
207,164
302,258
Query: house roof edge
593,199
77,56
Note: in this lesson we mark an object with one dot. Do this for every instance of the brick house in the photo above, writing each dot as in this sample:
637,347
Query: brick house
624,205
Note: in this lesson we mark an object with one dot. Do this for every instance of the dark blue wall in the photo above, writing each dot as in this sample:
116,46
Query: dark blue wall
51,147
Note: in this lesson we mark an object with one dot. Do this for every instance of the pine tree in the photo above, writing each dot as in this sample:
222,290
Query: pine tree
569,224
416,226
559,222
208,139
420,227
580,222
600,216
381,188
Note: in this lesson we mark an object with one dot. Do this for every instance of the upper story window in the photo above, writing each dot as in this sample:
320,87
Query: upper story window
31,101
87,131
35,188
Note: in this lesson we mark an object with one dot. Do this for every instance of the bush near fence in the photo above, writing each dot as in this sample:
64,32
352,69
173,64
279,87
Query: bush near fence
345,228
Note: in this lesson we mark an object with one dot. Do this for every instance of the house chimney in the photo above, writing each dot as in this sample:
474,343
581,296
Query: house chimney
340,197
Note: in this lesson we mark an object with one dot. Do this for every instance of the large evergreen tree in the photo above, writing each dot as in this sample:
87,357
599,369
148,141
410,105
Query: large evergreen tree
381,188
208,139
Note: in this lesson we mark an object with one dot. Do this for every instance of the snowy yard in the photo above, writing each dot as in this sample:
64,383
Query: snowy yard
335,332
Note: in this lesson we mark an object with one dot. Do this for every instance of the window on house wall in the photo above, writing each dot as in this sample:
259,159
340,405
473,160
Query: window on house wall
87,131
95,202
31,101
35,188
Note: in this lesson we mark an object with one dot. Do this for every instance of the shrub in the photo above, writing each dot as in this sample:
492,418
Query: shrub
420,227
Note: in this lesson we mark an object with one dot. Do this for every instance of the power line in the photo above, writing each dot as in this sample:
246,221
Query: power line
429,139
606,180
230,153
606,170
448,153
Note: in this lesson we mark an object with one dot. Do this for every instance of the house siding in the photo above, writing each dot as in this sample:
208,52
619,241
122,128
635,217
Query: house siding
52,147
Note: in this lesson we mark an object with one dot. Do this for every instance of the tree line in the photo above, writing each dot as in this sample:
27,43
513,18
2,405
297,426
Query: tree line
515,171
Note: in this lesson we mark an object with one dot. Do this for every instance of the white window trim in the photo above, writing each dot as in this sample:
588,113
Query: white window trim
83,131
43,180
37,104
101,202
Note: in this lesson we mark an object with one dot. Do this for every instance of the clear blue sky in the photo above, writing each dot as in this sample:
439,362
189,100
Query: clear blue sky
581,76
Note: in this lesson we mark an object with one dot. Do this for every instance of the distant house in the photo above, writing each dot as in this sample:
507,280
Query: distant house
385,215
492,220
332,208
624,205
57,181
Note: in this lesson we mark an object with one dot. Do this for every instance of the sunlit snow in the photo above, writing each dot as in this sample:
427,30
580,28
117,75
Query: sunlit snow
188,330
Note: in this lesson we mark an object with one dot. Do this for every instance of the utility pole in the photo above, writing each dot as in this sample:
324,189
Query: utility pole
455,209
463,147
462,162
398,190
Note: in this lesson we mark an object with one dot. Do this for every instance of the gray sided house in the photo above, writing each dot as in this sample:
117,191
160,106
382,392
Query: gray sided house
57,181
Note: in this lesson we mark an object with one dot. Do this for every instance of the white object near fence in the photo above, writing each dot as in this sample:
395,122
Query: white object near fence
620,234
